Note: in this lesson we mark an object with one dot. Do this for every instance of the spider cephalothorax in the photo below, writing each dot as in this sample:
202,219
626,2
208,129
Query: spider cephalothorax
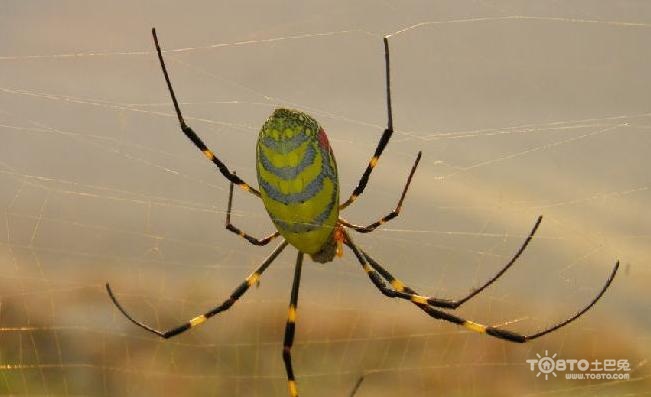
297,175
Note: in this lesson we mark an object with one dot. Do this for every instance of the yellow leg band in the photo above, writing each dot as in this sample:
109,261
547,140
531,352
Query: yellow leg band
475,327
419,299
253,279
208,154
398,285
293,391
197,320
291,316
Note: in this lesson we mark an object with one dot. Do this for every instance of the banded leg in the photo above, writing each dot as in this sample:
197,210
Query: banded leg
290,328
192,135
453,303
198,320
386,135
392,214
423,304
232,228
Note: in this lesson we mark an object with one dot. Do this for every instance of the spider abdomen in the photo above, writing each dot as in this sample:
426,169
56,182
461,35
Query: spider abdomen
297,174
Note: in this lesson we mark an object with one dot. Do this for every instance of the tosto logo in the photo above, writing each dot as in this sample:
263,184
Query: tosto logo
579,368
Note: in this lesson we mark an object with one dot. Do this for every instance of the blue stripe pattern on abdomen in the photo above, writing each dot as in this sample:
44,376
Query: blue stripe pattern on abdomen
298,179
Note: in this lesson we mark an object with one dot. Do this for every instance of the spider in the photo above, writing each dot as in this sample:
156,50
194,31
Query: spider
298,184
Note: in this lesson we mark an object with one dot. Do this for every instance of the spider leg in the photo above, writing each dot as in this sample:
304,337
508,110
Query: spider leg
290,328
234,229
192,135
390,215
358,384
386,135
453,303
235,295
422,303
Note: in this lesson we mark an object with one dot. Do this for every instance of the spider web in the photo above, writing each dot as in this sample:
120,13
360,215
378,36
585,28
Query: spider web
520,109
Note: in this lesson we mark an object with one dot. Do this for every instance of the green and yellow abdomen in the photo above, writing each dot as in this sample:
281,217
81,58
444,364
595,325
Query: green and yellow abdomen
297,174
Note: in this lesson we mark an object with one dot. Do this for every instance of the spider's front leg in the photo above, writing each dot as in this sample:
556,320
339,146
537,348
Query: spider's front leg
192,136
253,279
429,305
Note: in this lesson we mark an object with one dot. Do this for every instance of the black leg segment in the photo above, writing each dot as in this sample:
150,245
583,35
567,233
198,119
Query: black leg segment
423,303
244,235
290,328
192,135
386,135
198,320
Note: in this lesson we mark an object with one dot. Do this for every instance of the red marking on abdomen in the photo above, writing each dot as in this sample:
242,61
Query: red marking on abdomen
323,140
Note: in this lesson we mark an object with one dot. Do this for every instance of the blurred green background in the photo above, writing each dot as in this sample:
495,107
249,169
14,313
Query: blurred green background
521,108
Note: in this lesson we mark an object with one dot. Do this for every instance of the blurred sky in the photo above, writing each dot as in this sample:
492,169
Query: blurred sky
521,108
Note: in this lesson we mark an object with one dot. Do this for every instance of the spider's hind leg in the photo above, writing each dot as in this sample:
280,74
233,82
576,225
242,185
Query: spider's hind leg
384,139
290,328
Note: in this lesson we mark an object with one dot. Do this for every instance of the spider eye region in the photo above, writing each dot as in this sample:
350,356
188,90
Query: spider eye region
297,175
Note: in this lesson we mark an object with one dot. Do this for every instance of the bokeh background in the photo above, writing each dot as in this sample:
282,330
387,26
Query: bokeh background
521,108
